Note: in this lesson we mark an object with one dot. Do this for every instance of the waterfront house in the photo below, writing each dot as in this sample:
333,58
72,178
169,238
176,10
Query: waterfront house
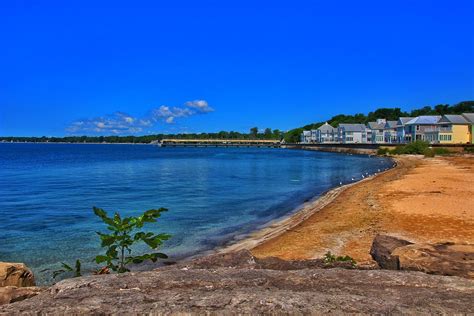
415,128
326,134
390,132
352,133
451,129
470,118
401,129
305,137
375,134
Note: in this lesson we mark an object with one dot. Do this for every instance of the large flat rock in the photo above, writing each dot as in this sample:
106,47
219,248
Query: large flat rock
382,248
445,258
442,258
244,290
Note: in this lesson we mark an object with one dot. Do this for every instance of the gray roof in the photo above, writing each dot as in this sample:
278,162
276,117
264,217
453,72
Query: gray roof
403,120
327,128
424,120
352,127
391,124
469,117
375,125
453,119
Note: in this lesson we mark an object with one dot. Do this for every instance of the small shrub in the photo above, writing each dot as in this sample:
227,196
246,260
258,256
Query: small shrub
416,148
441,151
469,150
398,150
382,151
124,235
429,152
330,258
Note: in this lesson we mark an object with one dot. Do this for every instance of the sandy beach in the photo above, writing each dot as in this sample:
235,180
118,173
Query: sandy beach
421,200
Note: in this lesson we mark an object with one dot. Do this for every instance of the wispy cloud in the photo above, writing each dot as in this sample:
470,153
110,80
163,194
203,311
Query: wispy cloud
200,105
121,123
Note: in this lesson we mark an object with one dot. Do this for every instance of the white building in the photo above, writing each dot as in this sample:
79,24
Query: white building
376,133
306,137
352,133
326,134
416,128
390,132
402,129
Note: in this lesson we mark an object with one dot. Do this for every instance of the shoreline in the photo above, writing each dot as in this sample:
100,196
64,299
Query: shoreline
424,200
300,214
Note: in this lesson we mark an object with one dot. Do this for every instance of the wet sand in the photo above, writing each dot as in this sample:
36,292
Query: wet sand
422,200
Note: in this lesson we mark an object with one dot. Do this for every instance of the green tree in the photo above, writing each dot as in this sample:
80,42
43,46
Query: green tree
124,234
254,132
268,133
277,134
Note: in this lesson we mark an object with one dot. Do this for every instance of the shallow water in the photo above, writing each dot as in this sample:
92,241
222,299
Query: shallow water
213,194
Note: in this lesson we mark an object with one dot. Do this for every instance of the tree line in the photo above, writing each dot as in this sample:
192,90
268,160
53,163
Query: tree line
291,136
254,133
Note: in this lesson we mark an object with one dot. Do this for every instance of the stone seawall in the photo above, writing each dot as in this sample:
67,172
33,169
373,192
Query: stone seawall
335,149
369,149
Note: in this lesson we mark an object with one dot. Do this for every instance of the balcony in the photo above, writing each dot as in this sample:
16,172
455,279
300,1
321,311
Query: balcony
439,130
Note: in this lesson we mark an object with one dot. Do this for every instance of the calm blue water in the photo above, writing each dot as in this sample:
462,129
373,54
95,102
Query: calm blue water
213,195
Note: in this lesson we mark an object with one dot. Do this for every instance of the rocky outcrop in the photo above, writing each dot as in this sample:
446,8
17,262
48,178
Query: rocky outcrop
253,291
15,274
11,294
382,248
239,283
441,258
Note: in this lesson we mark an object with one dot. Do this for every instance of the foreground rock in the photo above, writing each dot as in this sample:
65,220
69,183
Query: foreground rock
179,289
15,274
382,248
442,258
11,294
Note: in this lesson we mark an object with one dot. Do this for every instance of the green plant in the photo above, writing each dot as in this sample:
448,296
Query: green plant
429,152
398,150
469,149
441,151
382,151
416,148
76,271
330,258
124,234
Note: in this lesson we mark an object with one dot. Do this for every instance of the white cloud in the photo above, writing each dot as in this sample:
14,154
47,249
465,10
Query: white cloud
200,105
168,114
117,123
121,123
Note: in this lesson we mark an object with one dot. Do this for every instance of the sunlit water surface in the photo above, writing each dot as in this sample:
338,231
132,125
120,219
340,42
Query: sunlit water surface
214,195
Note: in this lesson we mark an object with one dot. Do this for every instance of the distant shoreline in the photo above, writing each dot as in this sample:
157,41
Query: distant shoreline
78,143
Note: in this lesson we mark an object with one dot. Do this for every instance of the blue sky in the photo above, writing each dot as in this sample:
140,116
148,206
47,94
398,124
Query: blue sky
73,67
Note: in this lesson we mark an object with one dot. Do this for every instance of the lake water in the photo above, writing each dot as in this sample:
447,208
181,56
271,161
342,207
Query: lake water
47,192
